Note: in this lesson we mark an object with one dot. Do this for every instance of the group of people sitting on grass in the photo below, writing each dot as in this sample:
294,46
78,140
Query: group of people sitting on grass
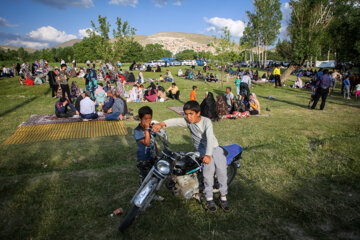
114,108
227,105
192,75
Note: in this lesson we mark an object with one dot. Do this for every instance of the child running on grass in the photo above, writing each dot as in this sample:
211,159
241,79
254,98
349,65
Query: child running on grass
205,142
193,94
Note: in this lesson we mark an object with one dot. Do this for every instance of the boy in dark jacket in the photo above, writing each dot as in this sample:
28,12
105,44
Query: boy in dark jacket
61,110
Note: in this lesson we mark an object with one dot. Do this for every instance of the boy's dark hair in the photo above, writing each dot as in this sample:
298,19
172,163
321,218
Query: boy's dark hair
145,110
194,87
325,71
228,88
192,105
173,84
63,99
101,84
63,65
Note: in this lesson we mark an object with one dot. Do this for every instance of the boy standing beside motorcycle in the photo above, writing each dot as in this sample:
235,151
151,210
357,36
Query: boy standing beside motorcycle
205,142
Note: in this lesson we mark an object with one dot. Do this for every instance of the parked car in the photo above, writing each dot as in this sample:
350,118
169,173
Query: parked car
175,63
150,63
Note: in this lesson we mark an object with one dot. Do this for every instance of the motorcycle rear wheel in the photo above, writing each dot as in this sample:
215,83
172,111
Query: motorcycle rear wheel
231,172
128,219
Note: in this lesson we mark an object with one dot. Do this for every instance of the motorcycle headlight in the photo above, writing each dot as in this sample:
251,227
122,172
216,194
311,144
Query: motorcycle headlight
163,167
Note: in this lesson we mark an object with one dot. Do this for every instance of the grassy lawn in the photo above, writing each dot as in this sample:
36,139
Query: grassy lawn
299,177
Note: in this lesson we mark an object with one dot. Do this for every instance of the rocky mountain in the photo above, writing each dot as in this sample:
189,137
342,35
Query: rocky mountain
172,41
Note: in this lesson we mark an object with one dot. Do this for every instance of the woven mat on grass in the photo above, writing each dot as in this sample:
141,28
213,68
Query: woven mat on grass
178,110
48,119
47,132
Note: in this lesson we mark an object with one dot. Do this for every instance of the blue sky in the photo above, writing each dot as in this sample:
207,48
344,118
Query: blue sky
45,23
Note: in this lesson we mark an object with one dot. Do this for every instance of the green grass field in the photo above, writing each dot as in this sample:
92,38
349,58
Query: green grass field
299,177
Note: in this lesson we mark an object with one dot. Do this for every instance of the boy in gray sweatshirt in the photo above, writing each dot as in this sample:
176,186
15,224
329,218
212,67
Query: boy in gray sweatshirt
205,142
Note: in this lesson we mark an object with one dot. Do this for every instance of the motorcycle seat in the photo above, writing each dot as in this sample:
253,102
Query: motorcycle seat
231,151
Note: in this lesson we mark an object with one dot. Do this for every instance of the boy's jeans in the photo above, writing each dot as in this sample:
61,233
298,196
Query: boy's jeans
218,165
346,91
237,90
112,116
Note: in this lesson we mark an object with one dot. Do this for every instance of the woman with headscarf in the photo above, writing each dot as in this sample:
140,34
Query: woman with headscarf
208,107
100,95
151,93
120,88
133,94
254,105
221,107
75,91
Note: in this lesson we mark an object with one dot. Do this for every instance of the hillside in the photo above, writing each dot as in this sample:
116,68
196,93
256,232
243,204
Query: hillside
30,50
172,41
68,43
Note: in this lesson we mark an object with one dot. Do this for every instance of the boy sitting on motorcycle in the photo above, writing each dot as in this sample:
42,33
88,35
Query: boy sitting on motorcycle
145,139
205,142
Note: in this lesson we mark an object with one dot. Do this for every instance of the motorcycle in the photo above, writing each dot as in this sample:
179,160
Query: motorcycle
181,173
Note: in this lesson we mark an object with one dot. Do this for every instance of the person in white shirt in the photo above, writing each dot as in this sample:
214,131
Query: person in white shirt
87,107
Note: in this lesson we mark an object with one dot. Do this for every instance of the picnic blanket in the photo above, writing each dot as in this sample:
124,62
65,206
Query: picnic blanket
178,110
49,119
47,132
236,115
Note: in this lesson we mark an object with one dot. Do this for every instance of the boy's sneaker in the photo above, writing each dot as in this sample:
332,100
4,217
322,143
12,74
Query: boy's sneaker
211,206
225,205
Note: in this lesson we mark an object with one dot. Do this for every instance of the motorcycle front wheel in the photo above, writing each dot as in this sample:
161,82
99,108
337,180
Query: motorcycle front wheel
129,218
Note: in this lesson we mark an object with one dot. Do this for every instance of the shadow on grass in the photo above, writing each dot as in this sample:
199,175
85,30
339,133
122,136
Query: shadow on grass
18,106
284,101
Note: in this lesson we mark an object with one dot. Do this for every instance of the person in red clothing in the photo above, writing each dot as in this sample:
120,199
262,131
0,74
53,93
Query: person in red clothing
29,82
193,94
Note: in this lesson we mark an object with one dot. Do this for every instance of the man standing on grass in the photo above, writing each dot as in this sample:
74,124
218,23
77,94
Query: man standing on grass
277,76
322,89
64,78
245,83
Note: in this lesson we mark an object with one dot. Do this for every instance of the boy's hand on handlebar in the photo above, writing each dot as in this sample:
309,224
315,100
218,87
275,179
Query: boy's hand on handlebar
157,127
206,159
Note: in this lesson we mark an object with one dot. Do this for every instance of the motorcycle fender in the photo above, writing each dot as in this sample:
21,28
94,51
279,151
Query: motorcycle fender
144,193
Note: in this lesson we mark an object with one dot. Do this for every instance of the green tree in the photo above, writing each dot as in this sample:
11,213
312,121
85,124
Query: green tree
133,51
187,54
264,26
103,46
155,52
309,20
84,50
123,37
343,31
223,46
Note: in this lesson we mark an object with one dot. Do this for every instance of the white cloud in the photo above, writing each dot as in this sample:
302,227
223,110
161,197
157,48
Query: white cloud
66,3
50,34
83,32
286,12
216,25
160,3
131,3
178,2
4,23
27,44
